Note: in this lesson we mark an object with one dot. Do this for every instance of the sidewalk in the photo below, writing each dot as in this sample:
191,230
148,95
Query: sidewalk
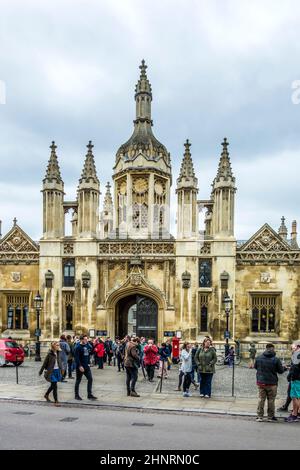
109,387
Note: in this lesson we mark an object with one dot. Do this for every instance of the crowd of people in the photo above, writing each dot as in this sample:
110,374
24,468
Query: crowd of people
196,367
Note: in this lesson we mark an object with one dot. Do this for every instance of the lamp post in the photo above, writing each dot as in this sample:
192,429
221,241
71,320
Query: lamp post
38,304
228,303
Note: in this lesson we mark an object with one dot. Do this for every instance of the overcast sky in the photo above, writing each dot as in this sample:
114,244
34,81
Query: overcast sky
217,68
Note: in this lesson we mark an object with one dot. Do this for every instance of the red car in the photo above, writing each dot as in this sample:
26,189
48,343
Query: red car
10,351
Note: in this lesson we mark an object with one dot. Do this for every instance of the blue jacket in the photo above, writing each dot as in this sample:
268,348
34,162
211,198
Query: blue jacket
82,354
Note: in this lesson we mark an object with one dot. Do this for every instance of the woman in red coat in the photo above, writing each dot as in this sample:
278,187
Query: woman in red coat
150,359
99,350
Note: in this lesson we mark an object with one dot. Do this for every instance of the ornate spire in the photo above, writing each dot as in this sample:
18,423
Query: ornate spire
53,171
187,174
89,168
143,97
142,139
187,167
108,202
224,170
283,231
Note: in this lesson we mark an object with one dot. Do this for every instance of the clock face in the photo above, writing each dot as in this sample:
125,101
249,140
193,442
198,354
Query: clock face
123,188
158,188
140,185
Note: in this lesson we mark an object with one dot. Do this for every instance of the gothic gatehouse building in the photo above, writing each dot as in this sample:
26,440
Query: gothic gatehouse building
121,270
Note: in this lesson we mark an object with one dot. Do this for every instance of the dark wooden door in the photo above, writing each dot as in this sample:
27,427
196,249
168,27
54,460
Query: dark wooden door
146,317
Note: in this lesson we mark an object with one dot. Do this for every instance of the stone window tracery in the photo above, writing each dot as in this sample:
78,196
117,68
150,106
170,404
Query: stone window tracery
17,312
264,313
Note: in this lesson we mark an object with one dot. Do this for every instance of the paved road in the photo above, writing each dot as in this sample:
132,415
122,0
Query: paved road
102,429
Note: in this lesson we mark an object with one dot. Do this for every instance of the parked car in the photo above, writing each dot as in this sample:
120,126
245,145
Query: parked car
10,351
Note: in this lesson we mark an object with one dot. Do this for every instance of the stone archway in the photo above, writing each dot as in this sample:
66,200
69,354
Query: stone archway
128,291
136,315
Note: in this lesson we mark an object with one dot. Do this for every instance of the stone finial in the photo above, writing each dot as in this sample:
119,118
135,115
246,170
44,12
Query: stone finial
108,202
187,172
89,169
15,221
283,231
53,171
143,86
224,169
143,67
294,242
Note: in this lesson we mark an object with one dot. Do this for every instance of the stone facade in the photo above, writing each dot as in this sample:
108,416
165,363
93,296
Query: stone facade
123,259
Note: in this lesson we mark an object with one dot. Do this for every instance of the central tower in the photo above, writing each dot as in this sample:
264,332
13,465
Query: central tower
142,175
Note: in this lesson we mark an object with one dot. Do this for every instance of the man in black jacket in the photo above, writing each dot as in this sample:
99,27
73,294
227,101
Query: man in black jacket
268,367
82,357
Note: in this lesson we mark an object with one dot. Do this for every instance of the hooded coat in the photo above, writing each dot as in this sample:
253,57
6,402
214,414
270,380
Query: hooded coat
268,367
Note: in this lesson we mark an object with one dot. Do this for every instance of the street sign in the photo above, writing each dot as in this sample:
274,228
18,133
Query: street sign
169,333
101,333
227,335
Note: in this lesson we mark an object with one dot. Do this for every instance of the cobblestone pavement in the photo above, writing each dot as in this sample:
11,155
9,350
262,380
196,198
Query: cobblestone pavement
109,379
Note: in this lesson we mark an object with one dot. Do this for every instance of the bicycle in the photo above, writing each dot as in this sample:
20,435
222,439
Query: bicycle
224,360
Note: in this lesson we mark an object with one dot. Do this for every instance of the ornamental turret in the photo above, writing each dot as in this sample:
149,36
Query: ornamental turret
53,198
88,197
223,195
187,189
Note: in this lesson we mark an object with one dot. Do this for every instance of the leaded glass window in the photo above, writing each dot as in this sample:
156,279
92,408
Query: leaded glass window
18,312
69,273
205,268
264,313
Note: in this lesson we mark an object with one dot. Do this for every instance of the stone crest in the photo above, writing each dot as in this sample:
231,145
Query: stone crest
265,278
15,277
136,279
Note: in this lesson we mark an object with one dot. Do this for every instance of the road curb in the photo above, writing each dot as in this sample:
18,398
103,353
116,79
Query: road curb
112,406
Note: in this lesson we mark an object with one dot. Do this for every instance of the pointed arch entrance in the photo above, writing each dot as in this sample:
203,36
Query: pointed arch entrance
136,315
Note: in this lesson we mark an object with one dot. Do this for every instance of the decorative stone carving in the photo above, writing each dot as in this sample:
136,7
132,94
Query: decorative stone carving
136,279
86,279
267,247
134,248
186,280
205,250
15,277
265,278
68,248
16,246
